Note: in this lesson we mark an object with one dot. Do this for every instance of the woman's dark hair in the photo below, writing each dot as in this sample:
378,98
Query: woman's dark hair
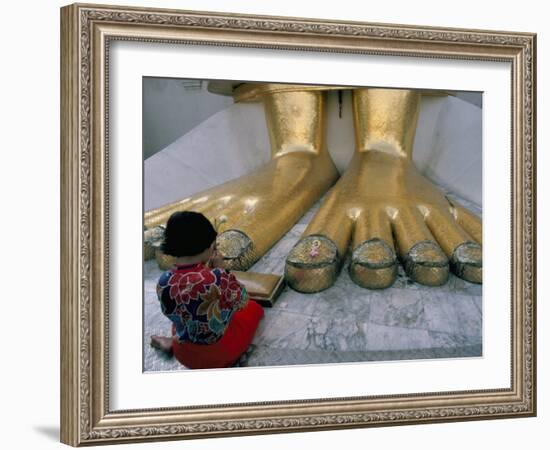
187,234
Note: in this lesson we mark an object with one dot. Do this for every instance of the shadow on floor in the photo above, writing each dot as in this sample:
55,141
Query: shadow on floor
51,432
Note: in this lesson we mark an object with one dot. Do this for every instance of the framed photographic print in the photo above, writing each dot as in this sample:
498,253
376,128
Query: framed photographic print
257,209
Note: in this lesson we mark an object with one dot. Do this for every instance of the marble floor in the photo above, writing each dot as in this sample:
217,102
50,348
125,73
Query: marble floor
345,323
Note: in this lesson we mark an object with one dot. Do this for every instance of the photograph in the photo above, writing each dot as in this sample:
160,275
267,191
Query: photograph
292,224
308,224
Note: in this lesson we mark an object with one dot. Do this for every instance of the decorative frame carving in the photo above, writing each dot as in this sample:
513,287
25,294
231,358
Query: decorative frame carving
86,31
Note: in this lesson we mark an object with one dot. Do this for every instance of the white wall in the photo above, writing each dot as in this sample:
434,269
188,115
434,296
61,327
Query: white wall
30,188
172,107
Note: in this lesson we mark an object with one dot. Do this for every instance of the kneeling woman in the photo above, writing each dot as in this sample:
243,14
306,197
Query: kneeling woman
213,320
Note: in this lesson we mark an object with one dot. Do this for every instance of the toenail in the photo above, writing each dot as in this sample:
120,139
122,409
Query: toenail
373,265
312,264
374,253
427,253
233,243
236,249
152,240
427,264
312,251
467,262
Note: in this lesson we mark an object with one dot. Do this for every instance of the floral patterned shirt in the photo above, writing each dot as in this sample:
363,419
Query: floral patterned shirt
200,301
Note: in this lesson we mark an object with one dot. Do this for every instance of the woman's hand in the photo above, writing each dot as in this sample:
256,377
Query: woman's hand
216,260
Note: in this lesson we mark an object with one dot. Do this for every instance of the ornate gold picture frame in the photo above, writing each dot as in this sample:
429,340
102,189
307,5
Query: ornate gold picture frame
87,32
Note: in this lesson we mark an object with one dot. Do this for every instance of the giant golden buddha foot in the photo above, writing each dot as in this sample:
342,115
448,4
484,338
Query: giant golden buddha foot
253,212
386,210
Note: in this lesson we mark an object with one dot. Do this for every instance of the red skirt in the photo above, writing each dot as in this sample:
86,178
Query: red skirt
225,352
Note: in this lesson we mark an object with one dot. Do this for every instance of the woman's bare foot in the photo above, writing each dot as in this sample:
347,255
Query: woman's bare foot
162,343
